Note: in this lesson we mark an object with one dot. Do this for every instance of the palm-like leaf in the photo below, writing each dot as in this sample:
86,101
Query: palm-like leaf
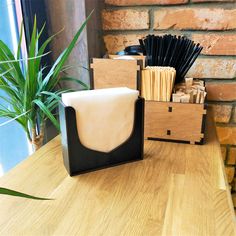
30,98
14,193
29,91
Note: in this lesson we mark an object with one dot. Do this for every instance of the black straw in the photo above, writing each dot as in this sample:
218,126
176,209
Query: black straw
170,50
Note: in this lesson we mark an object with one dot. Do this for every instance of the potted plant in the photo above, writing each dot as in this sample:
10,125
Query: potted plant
31,94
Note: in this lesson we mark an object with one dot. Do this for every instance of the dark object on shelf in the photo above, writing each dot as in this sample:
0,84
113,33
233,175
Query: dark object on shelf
133,50
78,159
170,50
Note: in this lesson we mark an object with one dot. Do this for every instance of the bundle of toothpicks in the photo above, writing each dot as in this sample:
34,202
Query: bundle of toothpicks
157,83
192,91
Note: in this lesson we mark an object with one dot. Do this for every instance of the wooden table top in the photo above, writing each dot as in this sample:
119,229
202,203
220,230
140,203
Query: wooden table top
178,189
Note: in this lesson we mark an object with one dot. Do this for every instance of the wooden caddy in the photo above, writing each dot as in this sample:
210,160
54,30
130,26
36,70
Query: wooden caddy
167,121
170,121
110,73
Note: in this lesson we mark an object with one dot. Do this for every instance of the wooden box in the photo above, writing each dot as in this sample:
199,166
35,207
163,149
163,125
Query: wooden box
110,73
168,121
183,122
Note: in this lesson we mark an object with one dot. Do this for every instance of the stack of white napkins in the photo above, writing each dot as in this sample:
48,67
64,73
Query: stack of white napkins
105,117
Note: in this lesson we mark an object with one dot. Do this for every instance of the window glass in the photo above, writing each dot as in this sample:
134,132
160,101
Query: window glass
13,142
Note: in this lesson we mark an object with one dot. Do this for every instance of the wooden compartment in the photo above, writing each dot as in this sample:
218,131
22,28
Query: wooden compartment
110,73
169,121
182,122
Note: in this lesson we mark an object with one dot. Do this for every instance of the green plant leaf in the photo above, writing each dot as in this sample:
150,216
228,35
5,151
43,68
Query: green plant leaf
14,193
47,112
6,55
76,81
31,95
28,87
53,95
65,54
19,44
5,72
43,47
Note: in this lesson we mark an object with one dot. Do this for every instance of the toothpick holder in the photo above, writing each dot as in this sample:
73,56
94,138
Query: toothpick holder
79,159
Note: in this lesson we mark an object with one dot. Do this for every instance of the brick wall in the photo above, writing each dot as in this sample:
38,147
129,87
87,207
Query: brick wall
211,23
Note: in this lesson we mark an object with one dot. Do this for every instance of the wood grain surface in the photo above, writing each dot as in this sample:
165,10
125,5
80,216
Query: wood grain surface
184,121
109,73
178,189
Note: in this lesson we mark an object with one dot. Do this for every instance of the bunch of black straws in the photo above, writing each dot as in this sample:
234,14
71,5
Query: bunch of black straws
170,50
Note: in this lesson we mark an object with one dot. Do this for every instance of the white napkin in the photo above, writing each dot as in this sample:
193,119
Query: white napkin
105,117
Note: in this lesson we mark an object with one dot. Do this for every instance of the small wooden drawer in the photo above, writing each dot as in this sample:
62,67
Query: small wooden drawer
182,122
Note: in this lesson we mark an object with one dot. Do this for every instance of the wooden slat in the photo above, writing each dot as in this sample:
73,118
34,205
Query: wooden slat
108,73
173,221
178,189
184,122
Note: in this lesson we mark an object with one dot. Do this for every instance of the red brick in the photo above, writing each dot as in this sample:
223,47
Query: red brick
221,91
195,18
116,43
128,19
143,2
216,44
213,68
232,156
222,113
229,170
226,135
223,152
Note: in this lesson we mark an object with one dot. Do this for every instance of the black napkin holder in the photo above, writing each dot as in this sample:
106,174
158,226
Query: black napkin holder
79,159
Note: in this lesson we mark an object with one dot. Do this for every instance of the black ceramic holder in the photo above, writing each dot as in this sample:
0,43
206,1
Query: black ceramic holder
78,159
